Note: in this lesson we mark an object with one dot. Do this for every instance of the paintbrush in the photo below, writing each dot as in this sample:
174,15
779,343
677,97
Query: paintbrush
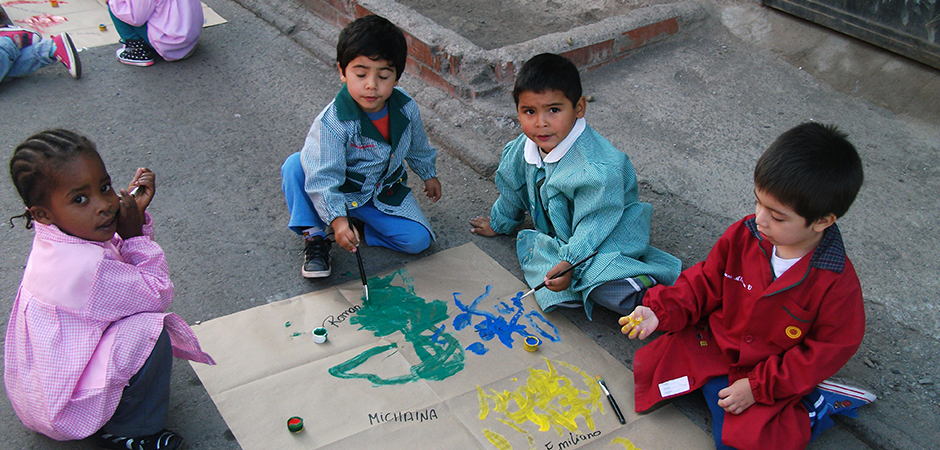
613,403
560,274
362,270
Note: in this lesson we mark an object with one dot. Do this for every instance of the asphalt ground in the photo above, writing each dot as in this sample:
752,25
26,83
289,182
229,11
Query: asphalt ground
693,113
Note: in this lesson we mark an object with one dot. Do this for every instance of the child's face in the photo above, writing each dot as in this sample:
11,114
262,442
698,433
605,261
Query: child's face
547,117
786,229
370,83
83,204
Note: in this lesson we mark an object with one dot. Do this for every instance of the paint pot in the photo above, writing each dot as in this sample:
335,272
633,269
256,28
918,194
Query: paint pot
102,27
319,335
531,343
295,424
54,3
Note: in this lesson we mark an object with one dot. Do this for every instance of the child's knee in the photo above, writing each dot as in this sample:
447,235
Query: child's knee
418,243
292,168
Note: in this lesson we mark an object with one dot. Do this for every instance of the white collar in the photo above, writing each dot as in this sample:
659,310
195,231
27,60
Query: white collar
531,150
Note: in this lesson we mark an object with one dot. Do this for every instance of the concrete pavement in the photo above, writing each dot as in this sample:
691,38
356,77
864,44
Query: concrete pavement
693,112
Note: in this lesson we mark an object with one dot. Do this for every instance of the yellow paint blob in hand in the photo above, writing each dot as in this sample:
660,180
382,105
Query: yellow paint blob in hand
632,325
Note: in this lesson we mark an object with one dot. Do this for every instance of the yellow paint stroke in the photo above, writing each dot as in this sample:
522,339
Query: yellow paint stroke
497,440
547,399
627,445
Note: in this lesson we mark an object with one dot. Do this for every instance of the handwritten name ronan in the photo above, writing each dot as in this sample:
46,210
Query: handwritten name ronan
336,320
403,416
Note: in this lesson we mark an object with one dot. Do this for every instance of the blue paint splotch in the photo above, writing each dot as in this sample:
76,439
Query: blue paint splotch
491,325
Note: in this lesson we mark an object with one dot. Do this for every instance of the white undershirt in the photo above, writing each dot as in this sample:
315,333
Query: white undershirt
779,264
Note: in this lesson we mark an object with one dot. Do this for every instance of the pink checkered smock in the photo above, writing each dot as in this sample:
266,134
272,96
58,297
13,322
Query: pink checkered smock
85,320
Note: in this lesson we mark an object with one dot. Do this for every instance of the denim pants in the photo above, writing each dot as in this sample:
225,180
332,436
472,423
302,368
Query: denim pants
397,233
15,62
145,403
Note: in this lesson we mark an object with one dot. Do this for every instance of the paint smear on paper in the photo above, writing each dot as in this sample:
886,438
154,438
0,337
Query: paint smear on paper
396,309
504,323
547,399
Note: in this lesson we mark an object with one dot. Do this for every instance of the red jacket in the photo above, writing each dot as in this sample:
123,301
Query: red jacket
729,316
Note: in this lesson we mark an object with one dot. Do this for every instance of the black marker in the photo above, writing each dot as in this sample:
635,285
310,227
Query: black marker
613,403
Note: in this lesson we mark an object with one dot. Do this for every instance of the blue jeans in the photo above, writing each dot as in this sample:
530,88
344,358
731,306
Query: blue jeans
384,230
145,403
710,390
15,62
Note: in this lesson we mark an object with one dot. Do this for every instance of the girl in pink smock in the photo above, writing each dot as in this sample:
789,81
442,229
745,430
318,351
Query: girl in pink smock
89,345
169,28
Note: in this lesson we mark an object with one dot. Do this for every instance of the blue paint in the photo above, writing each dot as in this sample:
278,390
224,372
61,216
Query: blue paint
477,348
496,325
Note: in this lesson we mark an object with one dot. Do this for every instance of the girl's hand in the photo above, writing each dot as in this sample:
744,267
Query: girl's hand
345,236
130,221
737,397
432,189
641,323
145,182
481,226
561,283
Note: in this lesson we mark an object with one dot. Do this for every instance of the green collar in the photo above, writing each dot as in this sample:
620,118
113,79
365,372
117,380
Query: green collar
347,109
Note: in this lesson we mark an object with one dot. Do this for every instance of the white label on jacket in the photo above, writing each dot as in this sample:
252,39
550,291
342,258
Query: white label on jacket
674,387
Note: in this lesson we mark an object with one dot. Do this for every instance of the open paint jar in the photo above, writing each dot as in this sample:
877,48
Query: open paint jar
319,335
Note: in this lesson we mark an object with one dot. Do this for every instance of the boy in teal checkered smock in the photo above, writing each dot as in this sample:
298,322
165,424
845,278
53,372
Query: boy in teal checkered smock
581,194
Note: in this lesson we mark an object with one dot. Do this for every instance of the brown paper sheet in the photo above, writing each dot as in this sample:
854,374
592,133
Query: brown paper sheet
81,19
412,368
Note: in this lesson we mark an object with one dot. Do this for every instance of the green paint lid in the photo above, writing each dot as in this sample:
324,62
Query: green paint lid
295,424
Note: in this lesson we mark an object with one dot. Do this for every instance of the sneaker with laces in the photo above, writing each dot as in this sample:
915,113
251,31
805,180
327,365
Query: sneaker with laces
844,399
316,258
21,36
136,52
66,54
163,440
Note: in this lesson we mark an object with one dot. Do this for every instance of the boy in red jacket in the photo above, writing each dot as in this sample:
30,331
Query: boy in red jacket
773,311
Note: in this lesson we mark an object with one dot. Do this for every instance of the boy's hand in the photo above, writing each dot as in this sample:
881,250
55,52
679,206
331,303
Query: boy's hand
145,181
641,323
345,236
432,188
130,221
481,226
561,283
737,397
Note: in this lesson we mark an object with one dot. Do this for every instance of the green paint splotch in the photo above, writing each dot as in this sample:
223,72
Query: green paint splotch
396,309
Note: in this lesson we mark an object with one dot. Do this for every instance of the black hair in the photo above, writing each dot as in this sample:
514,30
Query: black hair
35,161
548,72
375,38
813,169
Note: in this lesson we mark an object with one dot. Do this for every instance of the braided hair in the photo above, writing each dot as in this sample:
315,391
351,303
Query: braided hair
35,161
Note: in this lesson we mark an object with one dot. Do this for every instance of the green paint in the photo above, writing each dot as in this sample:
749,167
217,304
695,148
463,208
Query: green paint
396,309
297,334
286,324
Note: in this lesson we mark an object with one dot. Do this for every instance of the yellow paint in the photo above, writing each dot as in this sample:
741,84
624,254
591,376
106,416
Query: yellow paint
547,399
631,325
627,445
499,441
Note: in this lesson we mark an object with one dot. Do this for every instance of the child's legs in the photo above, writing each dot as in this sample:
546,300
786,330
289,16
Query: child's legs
303,216
620,296
397,233
145,403
710,390
17,63
127,31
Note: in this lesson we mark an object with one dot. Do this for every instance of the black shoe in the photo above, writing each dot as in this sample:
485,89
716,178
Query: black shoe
316,258
136,52
164,440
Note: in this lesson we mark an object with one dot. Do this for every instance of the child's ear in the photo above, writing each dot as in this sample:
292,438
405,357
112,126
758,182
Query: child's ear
40,214
580,107
342,73
821,224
